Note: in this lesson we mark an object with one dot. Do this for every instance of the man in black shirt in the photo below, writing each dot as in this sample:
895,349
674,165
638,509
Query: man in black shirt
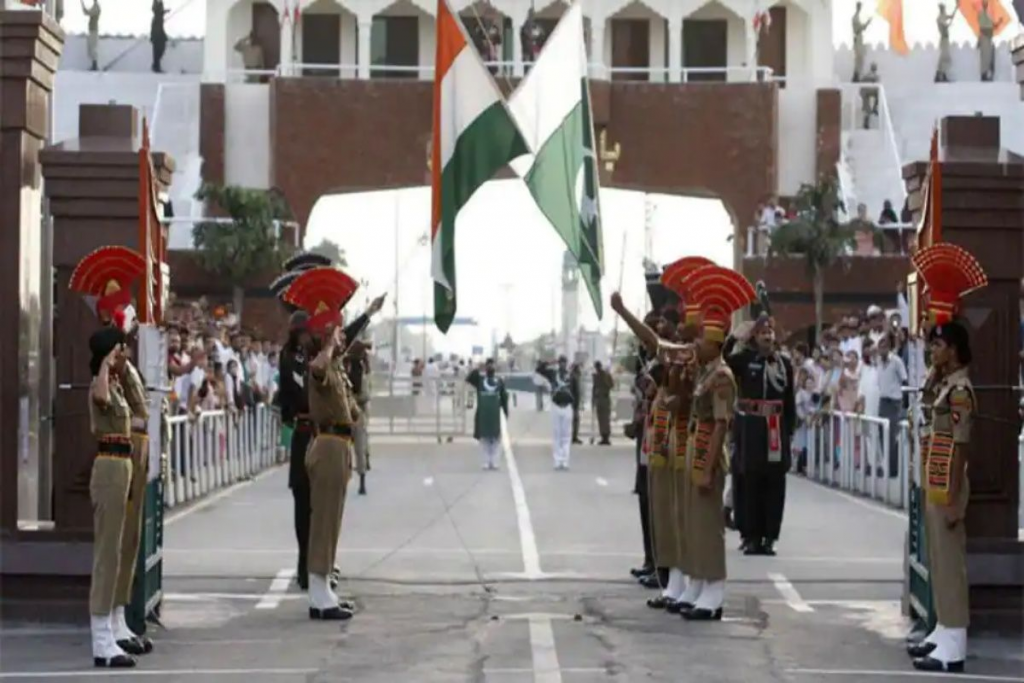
765,418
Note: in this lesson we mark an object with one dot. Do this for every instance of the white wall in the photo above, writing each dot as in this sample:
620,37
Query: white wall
132,54
74,88
799,65
247,135
428,46
918,66
797,126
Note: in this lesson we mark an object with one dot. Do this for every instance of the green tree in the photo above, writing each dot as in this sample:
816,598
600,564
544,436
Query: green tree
818,235
332,251
249,244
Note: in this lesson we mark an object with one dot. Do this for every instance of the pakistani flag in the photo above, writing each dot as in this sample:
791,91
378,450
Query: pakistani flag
552,110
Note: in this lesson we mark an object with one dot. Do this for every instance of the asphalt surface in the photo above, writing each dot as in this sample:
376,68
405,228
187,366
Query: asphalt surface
511,576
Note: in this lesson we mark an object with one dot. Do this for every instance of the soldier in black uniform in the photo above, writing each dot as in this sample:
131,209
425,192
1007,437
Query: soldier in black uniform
765,418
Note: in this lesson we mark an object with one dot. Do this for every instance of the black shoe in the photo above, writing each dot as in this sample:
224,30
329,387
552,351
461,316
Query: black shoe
147,644
922,649
347,605
132,646
362,484
115,662
753,549
329,614
701,614
768,548
604,442
650,581
930,664
640,572
678,607
302,581
660,602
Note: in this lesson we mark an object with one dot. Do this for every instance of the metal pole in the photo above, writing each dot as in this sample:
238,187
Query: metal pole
394,347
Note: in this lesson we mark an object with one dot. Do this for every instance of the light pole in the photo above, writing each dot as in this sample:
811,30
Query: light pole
394,338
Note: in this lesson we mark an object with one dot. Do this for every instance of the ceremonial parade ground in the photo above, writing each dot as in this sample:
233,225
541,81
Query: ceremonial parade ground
507,577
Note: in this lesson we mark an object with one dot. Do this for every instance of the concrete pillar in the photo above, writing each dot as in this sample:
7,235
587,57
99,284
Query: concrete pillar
675,49
365,30
287,46
30,47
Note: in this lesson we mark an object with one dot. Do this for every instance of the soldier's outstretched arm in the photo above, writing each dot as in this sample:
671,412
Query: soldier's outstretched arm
645,334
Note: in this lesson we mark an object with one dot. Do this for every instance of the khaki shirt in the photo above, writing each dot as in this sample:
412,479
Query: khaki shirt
331,396
953,409
135,394
113,419
714,398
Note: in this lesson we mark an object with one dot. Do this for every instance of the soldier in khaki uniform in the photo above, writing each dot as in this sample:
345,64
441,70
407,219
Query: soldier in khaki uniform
719,292
949,273
323,292
138,401
105,277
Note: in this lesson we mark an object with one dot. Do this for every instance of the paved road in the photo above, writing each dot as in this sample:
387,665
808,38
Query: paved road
508,577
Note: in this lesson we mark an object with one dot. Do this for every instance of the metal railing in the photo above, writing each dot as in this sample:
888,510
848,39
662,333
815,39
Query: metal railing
853,453
215,449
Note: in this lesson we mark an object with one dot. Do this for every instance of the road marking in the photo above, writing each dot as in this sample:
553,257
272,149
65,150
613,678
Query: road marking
601,481
565,670
277,589
546,668
220,495
901,674
132,673
429,481
787,591
527,539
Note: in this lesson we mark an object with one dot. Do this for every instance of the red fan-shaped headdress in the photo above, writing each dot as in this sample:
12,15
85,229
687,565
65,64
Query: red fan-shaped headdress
106,276
674,277
322,293
950,272
719,292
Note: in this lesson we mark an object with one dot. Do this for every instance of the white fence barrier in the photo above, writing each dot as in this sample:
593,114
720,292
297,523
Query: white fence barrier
858,453
216,449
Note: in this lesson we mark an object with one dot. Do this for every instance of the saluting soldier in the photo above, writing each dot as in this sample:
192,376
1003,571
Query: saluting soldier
491,403
105,277
949,273
294,399
765,419
562,414
719,292
322,293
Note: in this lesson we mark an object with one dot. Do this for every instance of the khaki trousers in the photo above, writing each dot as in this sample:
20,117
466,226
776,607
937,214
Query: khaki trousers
705,530
108,490
329,463
361,442
947,562
133,520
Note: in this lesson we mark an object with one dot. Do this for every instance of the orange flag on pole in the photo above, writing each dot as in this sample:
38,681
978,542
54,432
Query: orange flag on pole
892,12
970,9
930,229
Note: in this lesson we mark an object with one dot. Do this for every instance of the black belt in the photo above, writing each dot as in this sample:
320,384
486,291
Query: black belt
760,407
336,430
120,447
304,423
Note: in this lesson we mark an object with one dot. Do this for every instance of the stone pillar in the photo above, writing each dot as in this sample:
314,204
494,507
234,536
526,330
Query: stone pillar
982,212
675,49
365,29
597,47
93,186
287,46
30,48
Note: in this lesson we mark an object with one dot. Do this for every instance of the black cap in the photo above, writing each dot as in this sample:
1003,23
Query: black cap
661,297
101,343
954,334
299,320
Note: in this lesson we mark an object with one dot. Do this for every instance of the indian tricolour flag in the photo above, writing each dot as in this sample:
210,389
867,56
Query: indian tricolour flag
474,136
552,109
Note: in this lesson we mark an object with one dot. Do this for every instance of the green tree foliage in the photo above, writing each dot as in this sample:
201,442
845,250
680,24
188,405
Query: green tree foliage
247,246
818,235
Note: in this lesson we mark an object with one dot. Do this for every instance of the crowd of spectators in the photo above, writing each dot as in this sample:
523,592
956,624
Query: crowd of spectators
214,364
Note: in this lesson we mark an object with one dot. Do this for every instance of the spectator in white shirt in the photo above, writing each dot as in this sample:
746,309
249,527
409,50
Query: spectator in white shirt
876,324
892,375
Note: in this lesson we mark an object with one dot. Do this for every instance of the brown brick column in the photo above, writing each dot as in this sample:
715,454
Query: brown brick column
982,211
30,47
828,139
92,183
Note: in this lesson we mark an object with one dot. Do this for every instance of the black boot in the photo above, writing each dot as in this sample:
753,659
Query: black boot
362,484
